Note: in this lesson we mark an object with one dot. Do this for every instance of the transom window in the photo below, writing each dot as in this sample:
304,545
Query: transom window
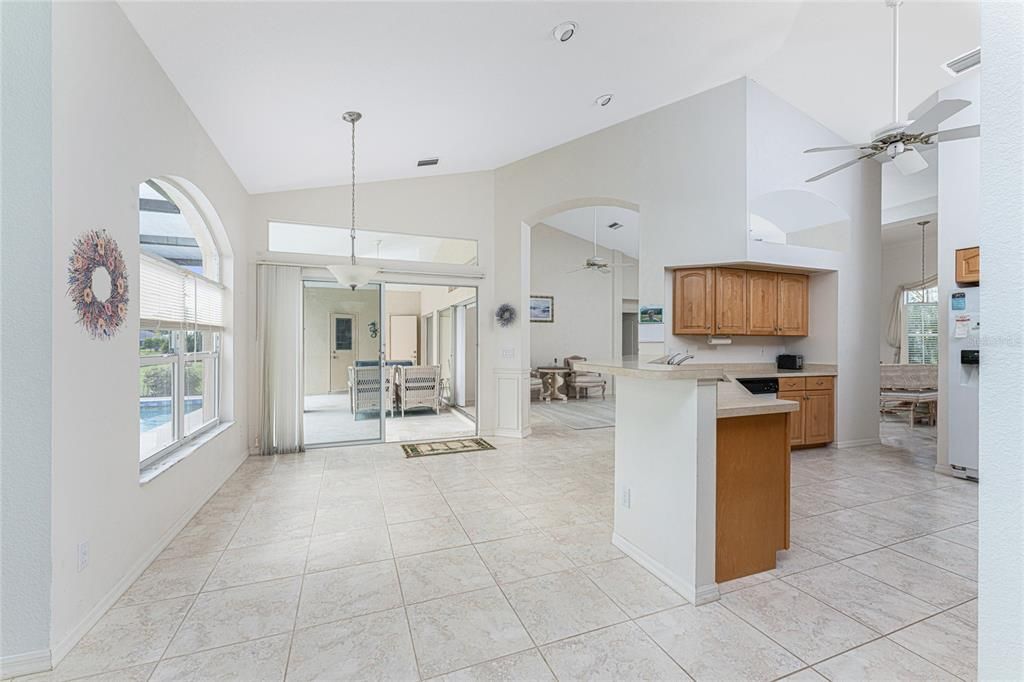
181,322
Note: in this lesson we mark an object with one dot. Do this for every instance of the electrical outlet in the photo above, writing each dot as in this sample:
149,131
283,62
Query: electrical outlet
83,555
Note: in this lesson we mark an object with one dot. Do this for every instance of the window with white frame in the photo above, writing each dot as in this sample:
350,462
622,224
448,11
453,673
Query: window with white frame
180,323
921,326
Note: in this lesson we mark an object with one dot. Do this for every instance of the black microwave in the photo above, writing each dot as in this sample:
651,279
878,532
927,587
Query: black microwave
789,361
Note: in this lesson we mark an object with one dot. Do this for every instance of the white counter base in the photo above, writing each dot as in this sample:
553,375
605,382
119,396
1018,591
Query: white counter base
665,480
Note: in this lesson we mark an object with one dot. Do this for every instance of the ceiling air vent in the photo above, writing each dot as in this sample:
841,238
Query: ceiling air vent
426,162
614,226
964,62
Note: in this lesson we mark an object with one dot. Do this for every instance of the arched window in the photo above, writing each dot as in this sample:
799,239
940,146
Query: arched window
180,322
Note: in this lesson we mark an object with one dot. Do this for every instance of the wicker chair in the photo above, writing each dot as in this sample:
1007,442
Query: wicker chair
583,381
418,387
364,388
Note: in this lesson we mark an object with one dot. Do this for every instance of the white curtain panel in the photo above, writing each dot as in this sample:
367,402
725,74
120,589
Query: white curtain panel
279,347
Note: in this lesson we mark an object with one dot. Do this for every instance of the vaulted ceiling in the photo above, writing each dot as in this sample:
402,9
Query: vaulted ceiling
482,84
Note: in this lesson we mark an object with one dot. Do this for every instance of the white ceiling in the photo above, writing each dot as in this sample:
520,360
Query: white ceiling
483,84
579,222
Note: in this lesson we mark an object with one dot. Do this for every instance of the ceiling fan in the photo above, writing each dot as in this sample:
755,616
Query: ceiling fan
597,263
898,140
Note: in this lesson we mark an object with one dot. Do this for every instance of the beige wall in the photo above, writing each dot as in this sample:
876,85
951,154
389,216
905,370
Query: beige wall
585,303
319,303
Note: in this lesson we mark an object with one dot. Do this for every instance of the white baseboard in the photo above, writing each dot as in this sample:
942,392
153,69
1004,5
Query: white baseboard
512,433
24,664
695,594
61,649
859,443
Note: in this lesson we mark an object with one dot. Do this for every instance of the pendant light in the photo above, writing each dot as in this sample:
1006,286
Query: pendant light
353,275
922,224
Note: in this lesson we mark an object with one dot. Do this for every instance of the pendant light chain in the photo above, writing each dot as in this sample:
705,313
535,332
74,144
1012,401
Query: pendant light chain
352,234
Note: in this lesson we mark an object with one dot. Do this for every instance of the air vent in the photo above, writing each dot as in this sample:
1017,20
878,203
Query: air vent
614,226
964,62
426,162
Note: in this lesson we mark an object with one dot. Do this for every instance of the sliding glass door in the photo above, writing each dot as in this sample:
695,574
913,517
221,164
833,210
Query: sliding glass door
346,388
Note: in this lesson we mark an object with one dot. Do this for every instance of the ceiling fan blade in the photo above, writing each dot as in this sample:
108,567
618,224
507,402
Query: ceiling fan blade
841,167
605,270
956,134
571,272
910,162
931,119
865,145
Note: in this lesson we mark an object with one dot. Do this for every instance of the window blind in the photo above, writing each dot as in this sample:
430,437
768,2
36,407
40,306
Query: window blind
922,323
174,298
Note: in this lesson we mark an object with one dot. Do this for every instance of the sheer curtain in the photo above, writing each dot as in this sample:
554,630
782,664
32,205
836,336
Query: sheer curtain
894,334
279,348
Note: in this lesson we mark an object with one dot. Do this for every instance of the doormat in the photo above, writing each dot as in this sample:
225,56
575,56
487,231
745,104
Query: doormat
446,447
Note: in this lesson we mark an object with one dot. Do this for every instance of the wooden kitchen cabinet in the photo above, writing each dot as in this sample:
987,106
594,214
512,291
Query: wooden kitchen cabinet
814,422
968,265
737,302
796,419
693,305
819,417
762,303
793,289
730,301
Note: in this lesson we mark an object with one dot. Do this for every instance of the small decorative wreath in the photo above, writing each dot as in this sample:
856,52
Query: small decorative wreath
91,251
505,315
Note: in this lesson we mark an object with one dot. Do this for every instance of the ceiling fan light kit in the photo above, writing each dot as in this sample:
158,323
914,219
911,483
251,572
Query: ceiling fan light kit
901,141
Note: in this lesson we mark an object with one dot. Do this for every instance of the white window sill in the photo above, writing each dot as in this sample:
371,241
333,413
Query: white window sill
152,471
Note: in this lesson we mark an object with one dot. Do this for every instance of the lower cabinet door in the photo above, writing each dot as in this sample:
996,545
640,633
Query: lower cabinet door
818,417
796,419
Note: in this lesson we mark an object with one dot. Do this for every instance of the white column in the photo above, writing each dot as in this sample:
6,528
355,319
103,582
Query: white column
1001,466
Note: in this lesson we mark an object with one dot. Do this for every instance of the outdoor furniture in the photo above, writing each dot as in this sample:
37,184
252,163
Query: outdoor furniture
418,387
908,388
584,381
364,388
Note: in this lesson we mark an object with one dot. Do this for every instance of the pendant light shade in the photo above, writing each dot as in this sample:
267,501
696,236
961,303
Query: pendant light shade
352,274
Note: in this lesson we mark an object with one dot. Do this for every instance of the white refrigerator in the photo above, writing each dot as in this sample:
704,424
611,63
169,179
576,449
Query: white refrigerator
963,376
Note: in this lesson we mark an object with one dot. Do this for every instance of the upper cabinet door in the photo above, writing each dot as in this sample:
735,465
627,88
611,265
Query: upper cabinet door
968,265
762,303
792,313
693,294
730,301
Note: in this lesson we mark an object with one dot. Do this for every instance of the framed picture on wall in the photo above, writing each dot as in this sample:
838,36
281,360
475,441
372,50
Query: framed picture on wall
651,315
542,308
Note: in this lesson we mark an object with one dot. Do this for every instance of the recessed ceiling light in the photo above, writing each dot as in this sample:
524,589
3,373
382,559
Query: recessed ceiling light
426,162
964,62
564,32
604,100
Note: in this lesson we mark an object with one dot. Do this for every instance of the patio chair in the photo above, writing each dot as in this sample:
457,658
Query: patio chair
364,389
418,387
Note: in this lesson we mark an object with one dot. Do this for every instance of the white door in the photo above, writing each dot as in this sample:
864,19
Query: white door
402,337
343,350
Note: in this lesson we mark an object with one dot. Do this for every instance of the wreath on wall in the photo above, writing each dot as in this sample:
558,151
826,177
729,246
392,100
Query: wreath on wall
505,314
98,283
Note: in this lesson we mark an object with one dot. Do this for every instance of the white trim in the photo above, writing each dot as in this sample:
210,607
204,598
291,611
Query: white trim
62,648
858,443
25,664
695,594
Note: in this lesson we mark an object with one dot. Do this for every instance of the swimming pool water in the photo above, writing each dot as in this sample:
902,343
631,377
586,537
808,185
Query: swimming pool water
154,413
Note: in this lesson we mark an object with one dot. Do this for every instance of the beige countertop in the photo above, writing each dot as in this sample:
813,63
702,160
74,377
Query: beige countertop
734,400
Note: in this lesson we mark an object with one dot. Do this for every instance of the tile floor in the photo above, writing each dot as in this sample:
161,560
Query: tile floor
328,419
356,564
